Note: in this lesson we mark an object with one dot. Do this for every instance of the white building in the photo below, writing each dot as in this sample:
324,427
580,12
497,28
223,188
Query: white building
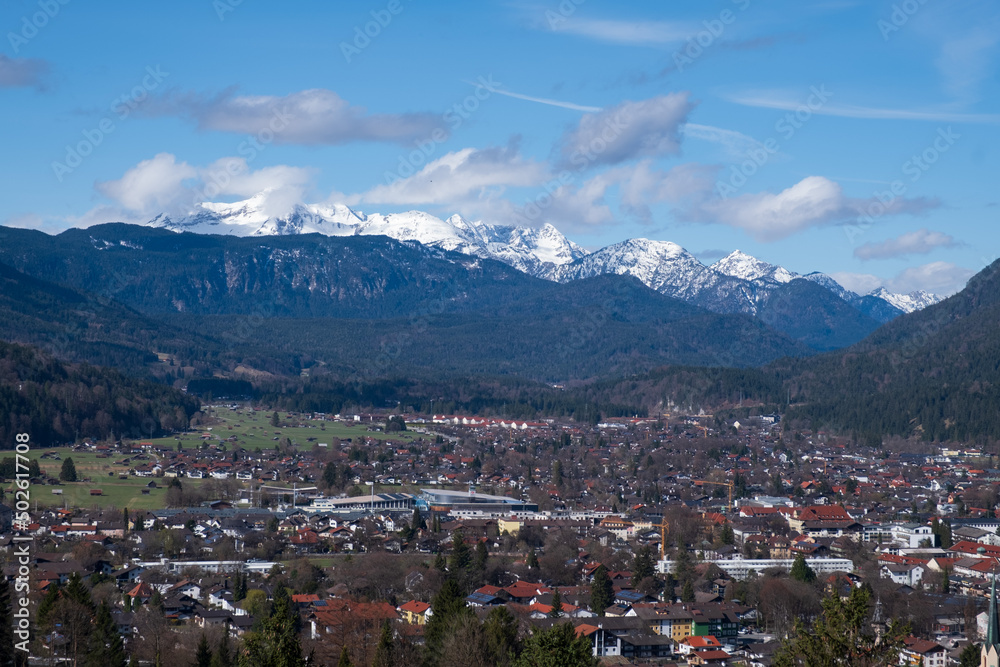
740,568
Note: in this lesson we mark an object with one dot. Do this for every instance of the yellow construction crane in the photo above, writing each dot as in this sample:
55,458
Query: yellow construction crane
729,484
664,529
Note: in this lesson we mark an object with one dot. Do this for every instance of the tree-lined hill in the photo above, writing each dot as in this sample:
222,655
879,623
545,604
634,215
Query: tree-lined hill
55,402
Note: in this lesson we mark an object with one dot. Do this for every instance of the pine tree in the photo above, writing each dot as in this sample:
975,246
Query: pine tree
461,556
330,474
203,655
841,636
345,658
47,604
223,656
687,591
642,566
68,472
447,606
77,591
501,629
970,656
558,646
240,587
479,562
276,643
533,560
385,650
557,606
106,647
7,650
156,601
602,591
275,419
801,571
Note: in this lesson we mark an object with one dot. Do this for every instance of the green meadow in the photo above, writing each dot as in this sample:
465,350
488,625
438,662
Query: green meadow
252,430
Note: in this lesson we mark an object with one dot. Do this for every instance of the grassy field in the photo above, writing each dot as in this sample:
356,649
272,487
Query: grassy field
253,431
103,474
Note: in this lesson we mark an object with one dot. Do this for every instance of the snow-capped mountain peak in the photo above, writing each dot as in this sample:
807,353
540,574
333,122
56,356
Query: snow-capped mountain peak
740,265
527,249
907,303
738,283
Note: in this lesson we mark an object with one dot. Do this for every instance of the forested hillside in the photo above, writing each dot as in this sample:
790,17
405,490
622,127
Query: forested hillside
56,403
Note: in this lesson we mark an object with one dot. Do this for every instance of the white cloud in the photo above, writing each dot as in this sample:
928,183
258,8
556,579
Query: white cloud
462,177
859,283
918,242
284,186
162,184
18,72
630,130
685,186
309,117
942,278
154,184
814,201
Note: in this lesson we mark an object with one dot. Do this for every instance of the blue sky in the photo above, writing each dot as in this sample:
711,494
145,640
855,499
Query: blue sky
857,138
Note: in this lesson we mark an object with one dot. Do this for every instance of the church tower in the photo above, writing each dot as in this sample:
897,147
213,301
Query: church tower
989,655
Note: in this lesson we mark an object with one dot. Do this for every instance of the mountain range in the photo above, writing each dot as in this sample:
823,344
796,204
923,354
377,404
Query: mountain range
306,314
738,283
356,306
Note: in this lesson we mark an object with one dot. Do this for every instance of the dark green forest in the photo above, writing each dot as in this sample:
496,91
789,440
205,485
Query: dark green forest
56,402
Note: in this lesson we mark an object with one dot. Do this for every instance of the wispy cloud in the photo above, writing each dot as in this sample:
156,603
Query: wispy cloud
543,100
630,130
966,60
462,179
308,117
21,72
635,33
735,143
919,242
787,103
941,278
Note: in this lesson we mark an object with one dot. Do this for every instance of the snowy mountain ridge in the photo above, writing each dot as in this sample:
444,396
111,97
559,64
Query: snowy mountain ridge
738,283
